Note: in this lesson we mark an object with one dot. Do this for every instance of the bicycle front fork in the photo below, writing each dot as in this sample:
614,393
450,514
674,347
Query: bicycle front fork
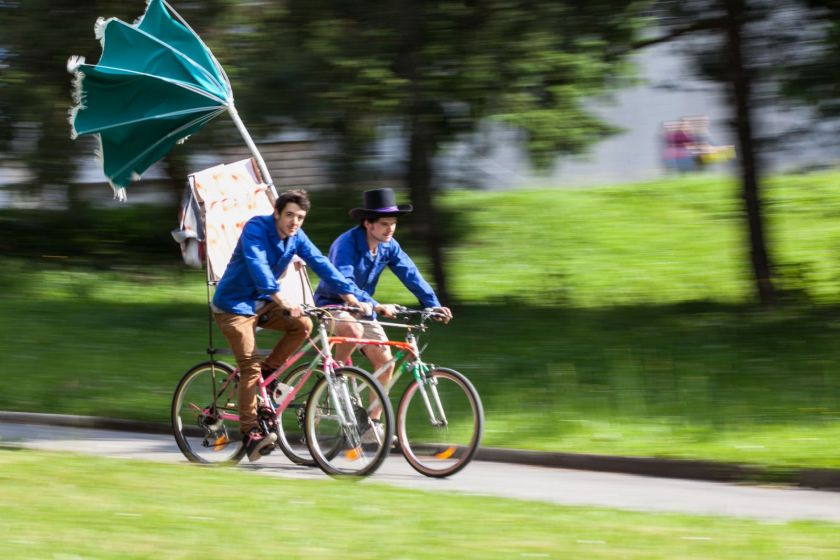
430,382
341,401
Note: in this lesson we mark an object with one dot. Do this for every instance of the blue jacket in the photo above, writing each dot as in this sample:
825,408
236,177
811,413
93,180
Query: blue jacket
260,257
351,256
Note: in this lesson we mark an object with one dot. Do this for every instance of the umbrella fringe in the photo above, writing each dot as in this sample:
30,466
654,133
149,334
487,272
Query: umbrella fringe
99,29
99,153
119,192
78,92
71,118
74,62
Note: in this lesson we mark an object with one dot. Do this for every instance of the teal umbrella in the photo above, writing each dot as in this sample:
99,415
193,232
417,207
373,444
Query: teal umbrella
154,85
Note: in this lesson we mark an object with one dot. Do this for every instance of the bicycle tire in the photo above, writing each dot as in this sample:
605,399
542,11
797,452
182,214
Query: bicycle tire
291,438
438,450
338,449
201,434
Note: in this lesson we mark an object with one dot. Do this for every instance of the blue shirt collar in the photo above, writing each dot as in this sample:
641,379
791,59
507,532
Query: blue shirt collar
360,237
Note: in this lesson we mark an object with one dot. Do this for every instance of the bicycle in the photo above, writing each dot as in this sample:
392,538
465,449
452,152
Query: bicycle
440,418
335,416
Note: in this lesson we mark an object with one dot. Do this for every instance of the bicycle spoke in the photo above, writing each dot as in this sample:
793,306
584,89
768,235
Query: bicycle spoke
342,437
291,437
199,411
440,420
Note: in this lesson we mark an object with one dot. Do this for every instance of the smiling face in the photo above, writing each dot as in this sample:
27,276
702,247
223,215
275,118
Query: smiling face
381,230
289,219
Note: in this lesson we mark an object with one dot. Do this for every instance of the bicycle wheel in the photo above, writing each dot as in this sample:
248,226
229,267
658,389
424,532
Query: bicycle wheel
341,435
290,428
439,423
204,414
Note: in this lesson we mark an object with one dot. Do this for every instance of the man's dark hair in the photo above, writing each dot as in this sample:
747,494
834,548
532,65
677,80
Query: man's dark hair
373,219
297,196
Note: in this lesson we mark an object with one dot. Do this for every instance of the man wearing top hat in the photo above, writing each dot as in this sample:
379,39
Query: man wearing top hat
361,254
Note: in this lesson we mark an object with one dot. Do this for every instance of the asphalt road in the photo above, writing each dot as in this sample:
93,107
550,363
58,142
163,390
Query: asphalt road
559,486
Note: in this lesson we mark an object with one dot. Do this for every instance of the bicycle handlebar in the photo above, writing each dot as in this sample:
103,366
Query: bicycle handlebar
424,314
421,315
312,311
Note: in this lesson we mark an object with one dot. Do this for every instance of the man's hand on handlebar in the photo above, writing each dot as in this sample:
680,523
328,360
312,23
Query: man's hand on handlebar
444,314
388,310
365,308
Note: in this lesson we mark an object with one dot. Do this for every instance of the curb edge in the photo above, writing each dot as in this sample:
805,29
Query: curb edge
823,479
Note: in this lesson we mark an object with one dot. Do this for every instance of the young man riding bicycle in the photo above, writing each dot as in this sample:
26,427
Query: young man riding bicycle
361,255
249,292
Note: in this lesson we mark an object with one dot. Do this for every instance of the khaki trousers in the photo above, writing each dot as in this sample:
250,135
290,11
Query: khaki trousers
239,331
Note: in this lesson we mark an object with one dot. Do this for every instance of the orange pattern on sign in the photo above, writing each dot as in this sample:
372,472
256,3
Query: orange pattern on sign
230,195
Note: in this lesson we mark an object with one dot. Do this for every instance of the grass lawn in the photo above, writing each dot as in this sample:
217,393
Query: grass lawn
65,506
614,320
667,241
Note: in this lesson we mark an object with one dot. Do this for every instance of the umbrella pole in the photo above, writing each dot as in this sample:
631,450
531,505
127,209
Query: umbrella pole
254,151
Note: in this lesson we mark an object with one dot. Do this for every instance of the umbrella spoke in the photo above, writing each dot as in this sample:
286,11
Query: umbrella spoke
171,137
160,58
177,63
112,70
205,111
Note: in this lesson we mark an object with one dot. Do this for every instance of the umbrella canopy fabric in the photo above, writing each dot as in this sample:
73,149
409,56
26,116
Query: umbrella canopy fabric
156,83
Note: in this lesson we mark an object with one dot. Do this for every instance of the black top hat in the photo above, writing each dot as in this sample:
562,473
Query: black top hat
380,203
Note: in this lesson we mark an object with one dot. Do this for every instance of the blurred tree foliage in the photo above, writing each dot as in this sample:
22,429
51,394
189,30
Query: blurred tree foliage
434,70
437,69
814,75
758,49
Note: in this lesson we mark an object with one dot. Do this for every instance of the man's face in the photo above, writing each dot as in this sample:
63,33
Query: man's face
289,219
382,230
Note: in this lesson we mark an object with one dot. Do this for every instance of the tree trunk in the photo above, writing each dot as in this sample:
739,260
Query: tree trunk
53,163
422,146
740,90
419,179
176,170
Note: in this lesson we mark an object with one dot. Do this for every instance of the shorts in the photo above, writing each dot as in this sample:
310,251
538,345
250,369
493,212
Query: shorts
373,330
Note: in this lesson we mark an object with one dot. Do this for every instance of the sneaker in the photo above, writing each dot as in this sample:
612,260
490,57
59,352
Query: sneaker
258,444
374,434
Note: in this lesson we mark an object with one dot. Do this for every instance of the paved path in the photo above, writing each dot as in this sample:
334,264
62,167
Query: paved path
553,485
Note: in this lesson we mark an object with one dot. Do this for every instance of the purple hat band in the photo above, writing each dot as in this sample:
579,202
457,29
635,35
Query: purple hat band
386,209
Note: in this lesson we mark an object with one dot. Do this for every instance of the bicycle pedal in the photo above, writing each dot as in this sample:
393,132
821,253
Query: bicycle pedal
220,442
446,453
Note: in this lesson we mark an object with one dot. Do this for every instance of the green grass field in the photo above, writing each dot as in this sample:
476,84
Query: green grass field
671,241
615,320
65,506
